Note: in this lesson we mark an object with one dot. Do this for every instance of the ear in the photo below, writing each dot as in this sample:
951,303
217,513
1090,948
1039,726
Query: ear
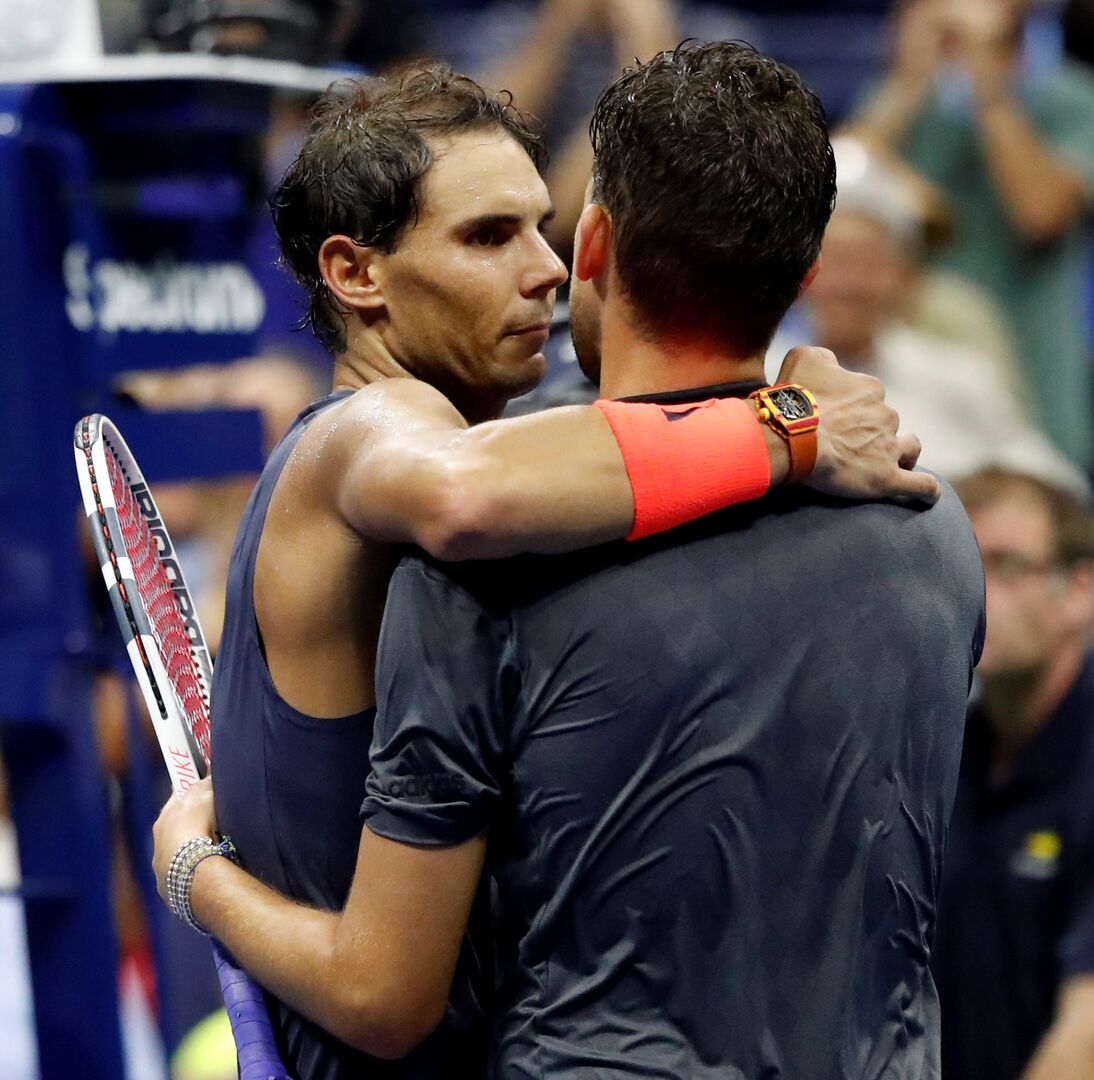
810,274
592,243
349,271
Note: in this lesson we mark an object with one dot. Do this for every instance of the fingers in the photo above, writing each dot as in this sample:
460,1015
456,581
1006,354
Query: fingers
803,358
908,450
917,485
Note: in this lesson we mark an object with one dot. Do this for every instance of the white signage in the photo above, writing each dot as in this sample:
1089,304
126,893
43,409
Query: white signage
120,296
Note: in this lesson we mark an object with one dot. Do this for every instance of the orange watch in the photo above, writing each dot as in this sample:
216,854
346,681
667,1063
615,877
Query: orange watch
791,412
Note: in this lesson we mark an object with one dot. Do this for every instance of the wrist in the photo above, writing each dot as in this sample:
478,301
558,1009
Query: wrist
189,857
790,412
687,460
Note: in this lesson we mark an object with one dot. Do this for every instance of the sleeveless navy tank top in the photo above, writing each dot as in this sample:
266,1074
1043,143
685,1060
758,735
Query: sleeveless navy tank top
289,789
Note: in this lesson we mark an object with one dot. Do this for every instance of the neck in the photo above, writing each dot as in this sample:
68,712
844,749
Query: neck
1019,705
364,360
633,364
367,359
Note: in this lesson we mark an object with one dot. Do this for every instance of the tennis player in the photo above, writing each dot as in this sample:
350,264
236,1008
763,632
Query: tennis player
415,213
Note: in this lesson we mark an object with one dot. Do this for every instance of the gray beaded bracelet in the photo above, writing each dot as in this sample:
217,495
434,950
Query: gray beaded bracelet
180,874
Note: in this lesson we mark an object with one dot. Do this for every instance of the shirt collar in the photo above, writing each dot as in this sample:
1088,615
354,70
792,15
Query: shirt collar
701,393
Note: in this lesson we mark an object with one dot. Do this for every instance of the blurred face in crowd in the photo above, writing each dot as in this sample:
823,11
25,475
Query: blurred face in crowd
469,290
1034,604
861,284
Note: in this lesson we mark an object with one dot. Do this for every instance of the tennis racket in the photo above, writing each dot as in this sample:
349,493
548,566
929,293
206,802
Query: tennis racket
167,649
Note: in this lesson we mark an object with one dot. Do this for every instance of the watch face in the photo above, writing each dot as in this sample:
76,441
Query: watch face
793,404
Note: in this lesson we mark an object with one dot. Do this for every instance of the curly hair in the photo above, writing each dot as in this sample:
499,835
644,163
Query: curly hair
360,169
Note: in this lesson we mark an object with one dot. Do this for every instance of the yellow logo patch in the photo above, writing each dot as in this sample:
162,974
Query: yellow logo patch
1043,844
1039,856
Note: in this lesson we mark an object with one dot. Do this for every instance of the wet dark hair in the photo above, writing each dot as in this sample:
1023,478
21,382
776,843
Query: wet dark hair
715,165
360,170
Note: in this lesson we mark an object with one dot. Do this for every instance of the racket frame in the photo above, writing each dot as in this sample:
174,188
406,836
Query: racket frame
96,437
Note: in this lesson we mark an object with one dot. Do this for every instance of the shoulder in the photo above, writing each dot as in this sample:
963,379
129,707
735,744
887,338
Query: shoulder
943,523
382,410
929,549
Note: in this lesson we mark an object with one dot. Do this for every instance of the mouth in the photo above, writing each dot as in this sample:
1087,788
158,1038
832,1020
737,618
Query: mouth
540,330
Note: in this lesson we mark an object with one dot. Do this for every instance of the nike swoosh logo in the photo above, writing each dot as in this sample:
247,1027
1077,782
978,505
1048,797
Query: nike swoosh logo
672,417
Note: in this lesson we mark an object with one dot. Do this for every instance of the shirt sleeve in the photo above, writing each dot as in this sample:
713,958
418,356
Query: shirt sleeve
438,761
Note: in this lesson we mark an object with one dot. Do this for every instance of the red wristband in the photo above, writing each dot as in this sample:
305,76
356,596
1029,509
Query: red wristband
685,461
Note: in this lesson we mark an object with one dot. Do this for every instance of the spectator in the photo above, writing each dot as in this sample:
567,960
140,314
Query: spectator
953,396
1014,151
1014,953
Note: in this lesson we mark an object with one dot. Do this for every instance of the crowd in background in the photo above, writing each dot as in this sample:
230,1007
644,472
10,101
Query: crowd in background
957,268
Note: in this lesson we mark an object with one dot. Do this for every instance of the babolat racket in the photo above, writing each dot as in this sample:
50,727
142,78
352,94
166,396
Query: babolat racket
167,648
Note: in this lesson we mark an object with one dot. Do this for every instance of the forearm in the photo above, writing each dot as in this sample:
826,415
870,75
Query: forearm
1042,197
886,117
641,28
545,483
532,73
285,947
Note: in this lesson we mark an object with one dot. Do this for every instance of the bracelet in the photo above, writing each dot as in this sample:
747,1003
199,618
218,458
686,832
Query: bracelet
180,874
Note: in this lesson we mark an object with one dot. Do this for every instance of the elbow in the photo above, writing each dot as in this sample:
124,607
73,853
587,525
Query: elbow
388,1029
462,520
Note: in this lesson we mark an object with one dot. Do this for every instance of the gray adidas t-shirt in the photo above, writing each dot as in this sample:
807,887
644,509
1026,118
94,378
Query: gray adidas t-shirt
715,768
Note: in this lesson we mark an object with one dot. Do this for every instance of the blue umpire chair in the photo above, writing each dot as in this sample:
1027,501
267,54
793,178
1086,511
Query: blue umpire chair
129,202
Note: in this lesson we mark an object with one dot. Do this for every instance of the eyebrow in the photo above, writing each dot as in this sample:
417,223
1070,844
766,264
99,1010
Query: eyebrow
486,221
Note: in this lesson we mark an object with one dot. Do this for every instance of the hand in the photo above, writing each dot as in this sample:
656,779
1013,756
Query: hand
984,35
859,453
183,817
919,39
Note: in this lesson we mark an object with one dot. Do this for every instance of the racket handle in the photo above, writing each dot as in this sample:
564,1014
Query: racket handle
254,1038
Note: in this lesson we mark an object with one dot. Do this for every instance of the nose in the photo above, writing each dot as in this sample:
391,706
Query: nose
545,272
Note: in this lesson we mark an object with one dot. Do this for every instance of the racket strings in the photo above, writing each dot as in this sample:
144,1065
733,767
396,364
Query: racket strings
166,621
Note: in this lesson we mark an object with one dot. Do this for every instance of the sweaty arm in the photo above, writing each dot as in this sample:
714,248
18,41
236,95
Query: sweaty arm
406,468
378,974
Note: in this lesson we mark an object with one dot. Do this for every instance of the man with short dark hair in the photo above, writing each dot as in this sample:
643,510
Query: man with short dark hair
714,768
1014,959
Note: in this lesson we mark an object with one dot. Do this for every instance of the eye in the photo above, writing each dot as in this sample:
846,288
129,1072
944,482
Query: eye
491,236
